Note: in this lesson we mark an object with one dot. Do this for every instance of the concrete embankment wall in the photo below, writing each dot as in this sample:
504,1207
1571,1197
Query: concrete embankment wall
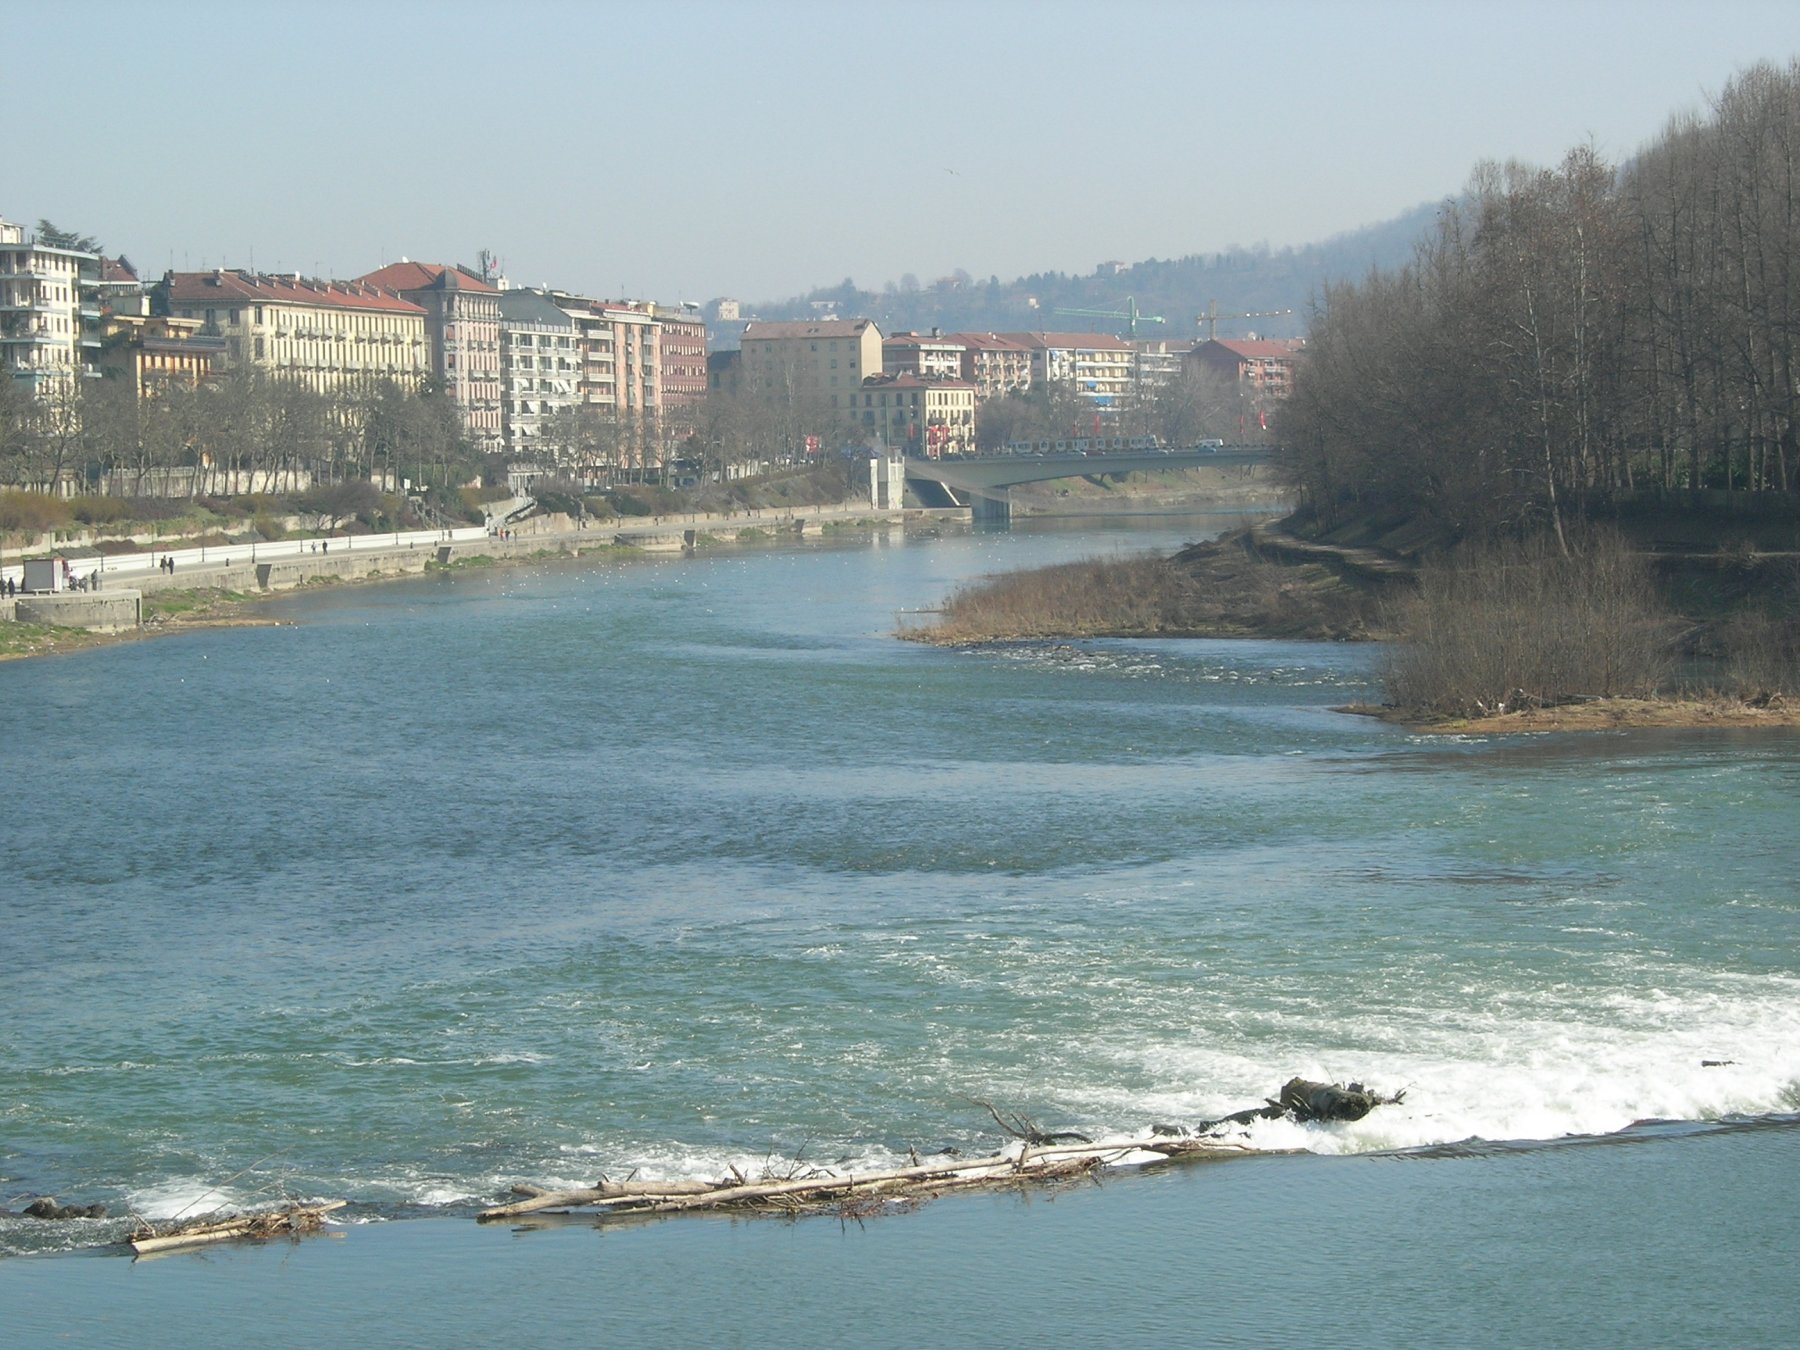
288,573
102,612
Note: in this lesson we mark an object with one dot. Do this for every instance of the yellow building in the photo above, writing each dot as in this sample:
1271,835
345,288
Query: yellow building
916,416
155,351
826,359
332,336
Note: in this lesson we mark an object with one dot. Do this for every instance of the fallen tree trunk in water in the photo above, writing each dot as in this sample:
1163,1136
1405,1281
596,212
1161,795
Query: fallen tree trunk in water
1041,1156
289,1222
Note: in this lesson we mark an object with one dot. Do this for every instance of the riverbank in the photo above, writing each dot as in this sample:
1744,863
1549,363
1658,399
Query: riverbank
225,592
1610,714
1224,587
1263,582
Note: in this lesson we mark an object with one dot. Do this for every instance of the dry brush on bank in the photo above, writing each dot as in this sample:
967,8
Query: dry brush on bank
1510,624
1221,588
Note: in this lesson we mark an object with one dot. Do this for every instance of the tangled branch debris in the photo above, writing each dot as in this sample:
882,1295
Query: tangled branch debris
288,1222
1040,1156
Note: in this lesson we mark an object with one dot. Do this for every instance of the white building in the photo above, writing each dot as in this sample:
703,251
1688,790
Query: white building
540,367
49,318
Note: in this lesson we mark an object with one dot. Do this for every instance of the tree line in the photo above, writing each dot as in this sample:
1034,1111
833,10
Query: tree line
241,427
1564,337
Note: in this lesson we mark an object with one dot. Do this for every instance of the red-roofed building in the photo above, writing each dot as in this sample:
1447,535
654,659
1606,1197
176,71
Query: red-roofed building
332,336
995,365
1267,367
462,324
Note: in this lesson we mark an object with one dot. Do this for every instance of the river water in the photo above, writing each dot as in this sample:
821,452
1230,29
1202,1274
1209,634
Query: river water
536,874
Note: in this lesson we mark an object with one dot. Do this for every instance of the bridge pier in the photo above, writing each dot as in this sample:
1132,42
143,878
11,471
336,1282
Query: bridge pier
990,510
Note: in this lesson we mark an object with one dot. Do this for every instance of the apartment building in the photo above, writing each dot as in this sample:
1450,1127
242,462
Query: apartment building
929,356
462,325
1157,362
680,356
929,417
331,336
617,343
540,367
1096,365
49,317
825,358
1267,367
153,351
995,365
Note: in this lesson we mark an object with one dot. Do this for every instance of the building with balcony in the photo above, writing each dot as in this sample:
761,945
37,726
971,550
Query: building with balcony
681,356
462,325
826,359
1265,367
929,356
1096,365
929,417
331,336
995,365
49,316
540,368
1157,362
617,344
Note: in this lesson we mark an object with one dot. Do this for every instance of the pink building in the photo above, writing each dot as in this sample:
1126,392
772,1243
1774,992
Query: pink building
462,322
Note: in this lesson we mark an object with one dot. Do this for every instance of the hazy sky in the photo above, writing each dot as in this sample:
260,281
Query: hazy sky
682,150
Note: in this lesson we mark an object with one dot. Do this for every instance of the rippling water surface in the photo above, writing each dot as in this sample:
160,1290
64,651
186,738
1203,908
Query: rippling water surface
668,865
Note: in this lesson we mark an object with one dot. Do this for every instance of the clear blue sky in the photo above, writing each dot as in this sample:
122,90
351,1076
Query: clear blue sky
683,150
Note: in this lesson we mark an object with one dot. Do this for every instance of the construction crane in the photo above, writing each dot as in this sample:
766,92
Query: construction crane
1129,316
1212,317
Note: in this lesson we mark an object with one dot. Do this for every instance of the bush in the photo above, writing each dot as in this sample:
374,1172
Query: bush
20,510
1520,623
625,503
1760,647
99,510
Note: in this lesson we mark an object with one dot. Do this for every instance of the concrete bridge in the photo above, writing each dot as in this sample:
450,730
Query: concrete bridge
981,483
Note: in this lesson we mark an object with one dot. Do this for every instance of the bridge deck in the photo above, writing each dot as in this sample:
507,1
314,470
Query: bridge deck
991,473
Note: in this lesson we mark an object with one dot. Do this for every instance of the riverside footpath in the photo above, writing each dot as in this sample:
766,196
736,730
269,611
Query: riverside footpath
265,567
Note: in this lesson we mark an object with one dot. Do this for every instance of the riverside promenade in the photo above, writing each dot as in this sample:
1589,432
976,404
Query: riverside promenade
287,563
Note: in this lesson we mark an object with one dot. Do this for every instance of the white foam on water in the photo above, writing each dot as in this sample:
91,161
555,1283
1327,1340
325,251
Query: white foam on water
1533,1066
187,1198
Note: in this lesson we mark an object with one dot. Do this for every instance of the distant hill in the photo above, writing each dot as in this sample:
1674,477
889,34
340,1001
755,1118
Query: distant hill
1237,281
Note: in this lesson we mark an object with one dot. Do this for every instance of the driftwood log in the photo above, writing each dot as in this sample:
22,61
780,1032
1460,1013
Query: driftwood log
820,1188
1041,1156
293,1220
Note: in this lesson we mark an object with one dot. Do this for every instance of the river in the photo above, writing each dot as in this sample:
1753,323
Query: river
674,865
